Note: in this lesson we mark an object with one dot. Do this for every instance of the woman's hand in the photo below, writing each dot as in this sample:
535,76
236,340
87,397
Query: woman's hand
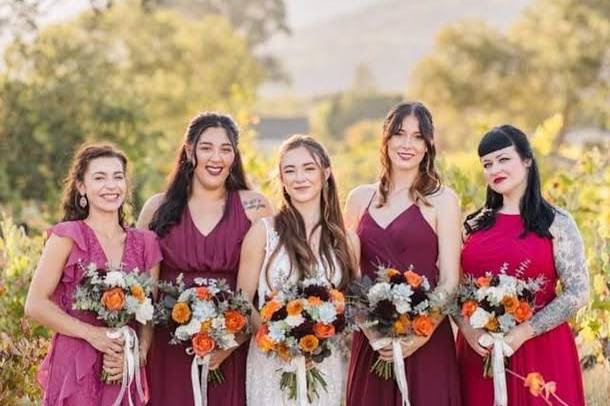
472,336
98,338
408,345
519,335
219,356
113,366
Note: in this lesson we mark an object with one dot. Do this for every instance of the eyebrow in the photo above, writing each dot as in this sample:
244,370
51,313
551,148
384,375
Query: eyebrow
207,143
105,173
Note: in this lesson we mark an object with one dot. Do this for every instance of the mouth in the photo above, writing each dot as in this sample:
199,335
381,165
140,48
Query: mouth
301,188
214,170
499,180
405,156
110,197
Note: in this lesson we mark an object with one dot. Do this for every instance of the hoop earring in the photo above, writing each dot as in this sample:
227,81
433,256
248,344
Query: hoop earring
82,202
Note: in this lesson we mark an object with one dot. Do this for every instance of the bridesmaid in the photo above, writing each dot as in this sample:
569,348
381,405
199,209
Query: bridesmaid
515,225
201,221
93,230
408,218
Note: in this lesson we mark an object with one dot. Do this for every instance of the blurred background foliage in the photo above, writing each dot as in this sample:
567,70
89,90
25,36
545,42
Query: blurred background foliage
134,72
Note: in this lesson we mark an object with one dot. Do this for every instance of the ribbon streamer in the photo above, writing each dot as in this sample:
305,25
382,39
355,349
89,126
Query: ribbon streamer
199,381
499,350
398,365
298,366
131,364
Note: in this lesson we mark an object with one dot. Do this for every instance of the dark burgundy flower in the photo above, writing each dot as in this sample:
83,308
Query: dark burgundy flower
419,295
397,279
317,290
495,280
280,314
339,323
385,310
303,330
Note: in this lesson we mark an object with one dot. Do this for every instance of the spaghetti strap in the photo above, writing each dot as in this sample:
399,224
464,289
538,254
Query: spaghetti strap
371,199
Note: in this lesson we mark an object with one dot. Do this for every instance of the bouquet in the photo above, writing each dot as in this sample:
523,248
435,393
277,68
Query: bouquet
208,316
118,297
399,304
497,303
301,326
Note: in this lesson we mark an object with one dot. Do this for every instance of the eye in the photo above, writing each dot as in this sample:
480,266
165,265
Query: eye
288,170
227,150
486,165
504,159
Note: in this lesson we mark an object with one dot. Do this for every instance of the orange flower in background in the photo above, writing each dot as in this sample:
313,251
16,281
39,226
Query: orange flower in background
535,382
469,307
114,299
511,303
269,308
181,313
401,326
203,293
309,343
203,344
483,281
283,352
423,325
414,279
138,292
314,300
492,324
523,312
235,321
322,330
337,296
392,272
263,341
294,307
206,326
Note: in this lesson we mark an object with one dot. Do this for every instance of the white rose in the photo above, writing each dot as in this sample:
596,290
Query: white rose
479,318
145,311
294,321
114,279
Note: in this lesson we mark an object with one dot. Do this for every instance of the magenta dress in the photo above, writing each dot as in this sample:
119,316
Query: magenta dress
432,373
216,255
553,354
71,372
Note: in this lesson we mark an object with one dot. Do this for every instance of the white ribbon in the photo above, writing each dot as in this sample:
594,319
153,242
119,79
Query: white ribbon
499,350
131,363
399,365
297,365
199,381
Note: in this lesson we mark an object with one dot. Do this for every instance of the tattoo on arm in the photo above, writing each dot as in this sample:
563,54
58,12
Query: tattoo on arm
254,204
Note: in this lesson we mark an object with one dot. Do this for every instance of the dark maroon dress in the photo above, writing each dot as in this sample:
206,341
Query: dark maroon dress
432,372
216,255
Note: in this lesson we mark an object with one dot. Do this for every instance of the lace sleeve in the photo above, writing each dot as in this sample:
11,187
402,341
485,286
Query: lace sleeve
571,267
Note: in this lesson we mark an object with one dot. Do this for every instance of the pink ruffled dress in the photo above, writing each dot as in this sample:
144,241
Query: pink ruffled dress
71,371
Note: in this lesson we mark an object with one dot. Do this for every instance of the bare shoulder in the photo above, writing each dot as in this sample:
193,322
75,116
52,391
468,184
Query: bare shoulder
444,198
149,209
360,195
255,204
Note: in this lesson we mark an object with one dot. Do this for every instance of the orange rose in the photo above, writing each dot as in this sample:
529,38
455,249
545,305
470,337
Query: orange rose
314,300
337,295
137,292
269,308
262,339
414,279
181,313
535,382
523,312
469,307
510,304
483,281
322,330
294,307
423,325
114,299
235,321
401,326
283,352
492,324
203,293
203,344
391,272
309,343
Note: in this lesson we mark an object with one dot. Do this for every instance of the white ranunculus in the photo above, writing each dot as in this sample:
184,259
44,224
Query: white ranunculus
294,321
277,331
145,311
185,332
480,318
114,279
327,312
379,291
204,310
402,306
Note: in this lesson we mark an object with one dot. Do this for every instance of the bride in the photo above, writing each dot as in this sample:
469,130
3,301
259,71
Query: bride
306,238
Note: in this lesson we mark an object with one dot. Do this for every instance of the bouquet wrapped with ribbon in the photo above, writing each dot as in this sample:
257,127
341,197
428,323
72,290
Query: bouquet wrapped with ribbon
209,316
497,303
118,297
302,326
397,305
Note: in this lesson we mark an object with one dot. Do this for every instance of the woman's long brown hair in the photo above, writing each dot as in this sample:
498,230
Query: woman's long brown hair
428,180
290,226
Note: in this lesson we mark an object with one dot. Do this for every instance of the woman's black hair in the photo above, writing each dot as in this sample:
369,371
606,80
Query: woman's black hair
536,212
181,179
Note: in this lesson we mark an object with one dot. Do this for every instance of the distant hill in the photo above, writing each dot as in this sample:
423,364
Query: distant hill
389,37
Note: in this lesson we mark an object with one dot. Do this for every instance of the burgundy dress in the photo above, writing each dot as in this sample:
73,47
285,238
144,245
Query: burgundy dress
71,372
216,255
553,354
432,373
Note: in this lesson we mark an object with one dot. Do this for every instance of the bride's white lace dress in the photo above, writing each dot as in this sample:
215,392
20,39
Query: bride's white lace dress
263,373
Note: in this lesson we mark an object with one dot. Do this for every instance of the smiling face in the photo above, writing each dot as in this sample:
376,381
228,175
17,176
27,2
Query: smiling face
214,157
505,171
407,148
301,175
104,184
